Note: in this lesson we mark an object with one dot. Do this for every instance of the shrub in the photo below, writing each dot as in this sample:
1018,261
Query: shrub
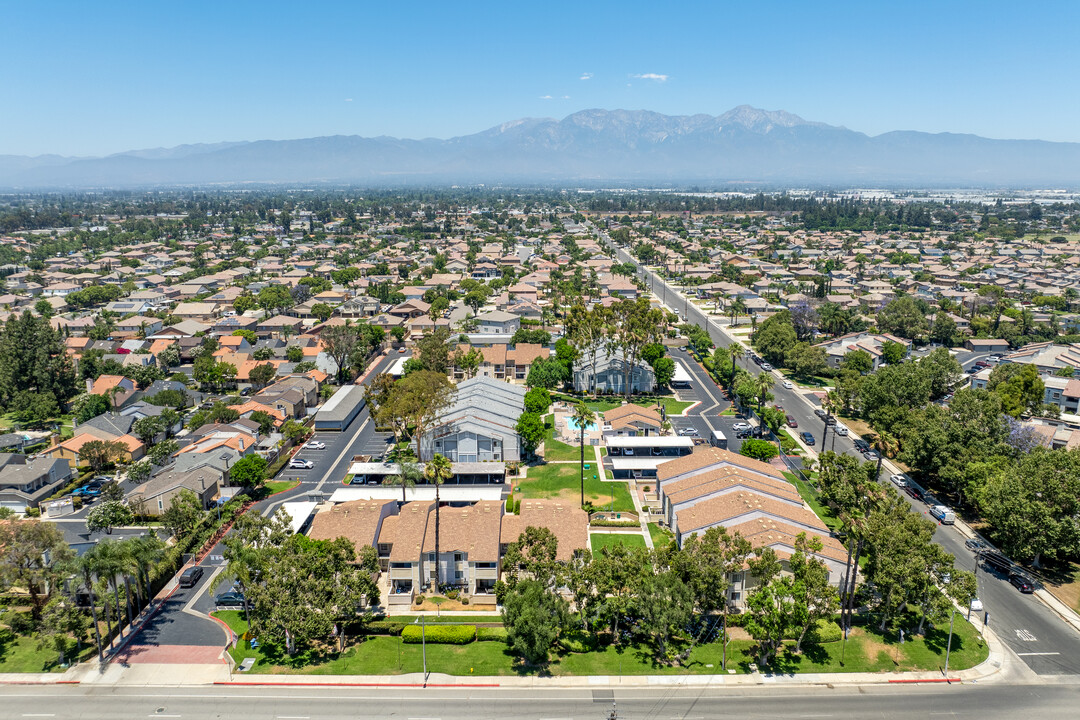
464,599
419,599
825,631
385,627
441,634
517,506
614,523
33,512
509,504
491,634
453,594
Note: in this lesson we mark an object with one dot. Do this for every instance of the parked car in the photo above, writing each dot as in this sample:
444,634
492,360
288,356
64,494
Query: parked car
914,492
743,434
807,438
898,480
766,367
792,422
976,605
870,455
1021,583
975,545
740,426
229,599
298,464
688,431
788,385
861,445
820,413
830,420
315,445
190,576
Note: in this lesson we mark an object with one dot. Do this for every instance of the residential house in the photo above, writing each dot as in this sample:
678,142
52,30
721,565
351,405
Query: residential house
872,343
479,425
611,373
25,482
154,496
497,322
631,420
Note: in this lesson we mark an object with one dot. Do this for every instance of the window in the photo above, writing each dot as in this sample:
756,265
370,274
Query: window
160,505
431,557
458,557
457,575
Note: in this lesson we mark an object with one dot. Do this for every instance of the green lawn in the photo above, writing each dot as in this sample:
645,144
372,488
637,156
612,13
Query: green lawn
812,381
612,539
24,654
674,407
866,651
810,496
659,535
564,480
276,486
558,450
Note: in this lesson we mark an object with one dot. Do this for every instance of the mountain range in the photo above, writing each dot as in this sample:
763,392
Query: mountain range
745,147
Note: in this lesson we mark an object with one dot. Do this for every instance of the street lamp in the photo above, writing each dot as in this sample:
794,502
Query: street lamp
226,457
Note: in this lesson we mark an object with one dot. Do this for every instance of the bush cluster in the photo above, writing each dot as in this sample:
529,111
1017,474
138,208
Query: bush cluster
441,634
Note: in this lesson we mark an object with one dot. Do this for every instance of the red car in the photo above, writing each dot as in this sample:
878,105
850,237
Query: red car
792,422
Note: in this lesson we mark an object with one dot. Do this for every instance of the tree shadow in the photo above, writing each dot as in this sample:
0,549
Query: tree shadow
937,640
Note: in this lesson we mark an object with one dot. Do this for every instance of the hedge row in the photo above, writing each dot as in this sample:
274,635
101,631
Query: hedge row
491,634
442,634
385,627
614,523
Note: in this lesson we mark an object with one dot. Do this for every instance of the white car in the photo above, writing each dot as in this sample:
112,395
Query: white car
298,464
898,480
788,385
315,445
740,426
976,605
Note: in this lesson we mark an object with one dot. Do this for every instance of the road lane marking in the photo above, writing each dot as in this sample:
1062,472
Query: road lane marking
1036,654
39,714
1026,636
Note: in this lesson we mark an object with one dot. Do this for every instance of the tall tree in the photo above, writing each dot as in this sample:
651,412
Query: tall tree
32,554
437,472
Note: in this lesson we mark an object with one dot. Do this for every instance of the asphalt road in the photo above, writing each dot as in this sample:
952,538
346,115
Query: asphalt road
172,626
1044,642
981,702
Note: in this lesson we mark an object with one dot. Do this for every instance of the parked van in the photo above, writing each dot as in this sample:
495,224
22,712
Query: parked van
943,514
840,430
719,439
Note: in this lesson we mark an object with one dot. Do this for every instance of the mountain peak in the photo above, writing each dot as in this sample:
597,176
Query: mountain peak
759,120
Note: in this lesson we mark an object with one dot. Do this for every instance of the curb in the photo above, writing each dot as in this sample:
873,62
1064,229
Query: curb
357,684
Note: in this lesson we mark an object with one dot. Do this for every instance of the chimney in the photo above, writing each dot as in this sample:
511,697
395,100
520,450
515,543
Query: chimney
241,444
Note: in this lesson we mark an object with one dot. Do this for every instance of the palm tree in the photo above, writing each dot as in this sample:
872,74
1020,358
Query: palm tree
886,444
583,416
738,307
737,353
763,382
145,551
830,404
437,472
85,566
110,561
407,478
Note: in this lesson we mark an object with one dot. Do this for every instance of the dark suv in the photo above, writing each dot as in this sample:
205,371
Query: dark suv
190,577
1022,583
861,445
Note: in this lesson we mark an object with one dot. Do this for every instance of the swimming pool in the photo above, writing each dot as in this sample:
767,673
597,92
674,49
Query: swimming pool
573,425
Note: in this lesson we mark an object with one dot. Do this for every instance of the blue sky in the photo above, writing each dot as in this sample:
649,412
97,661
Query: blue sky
93,78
